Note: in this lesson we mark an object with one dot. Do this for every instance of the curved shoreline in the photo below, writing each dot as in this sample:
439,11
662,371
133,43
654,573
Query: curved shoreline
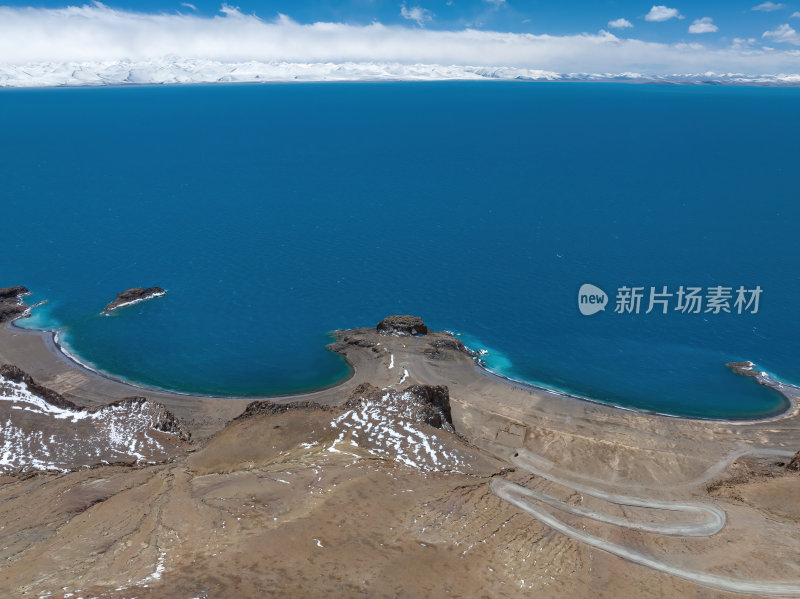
790,407
618,457
790,403
51,341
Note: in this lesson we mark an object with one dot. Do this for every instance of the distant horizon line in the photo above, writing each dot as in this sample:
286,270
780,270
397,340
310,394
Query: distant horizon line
187,71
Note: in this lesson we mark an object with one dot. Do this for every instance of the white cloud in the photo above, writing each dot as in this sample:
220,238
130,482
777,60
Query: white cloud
661,13
620,24
126,42
704,25
225,9
417,13
796,14
784,33
189,5
769,7
740,42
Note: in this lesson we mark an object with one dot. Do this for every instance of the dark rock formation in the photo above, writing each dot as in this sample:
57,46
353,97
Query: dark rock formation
13,373
13,292
423,403
266,407
365,391
136,294
436,402
402,324
9,312
11,304
163,419
744,368
358,339
436,349
794,463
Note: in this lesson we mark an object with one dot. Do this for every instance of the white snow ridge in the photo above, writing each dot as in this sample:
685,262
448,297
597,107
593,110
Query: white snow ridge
174,70
38,435
390,428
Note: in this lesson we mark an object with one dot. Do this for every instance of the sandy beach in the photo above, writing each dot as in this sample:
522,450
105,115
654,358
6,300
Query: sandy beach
576,453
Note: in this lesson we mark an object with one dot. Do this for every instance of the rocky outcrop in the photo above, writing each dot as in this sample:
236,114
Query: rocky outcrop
744,368
13,292
44,431
11,304
434,345
356,338
438,348
429,404
14,374
364,392
162,419
794,463
134,295
402,324
435,400
748,369
265,407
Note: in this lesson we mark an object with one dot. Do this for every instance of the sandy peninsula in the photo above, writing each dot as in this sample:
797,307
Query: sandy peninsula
419,476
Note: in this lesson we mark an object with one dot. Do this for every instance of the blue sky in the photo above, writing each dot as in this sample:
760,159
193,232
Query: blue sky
733,19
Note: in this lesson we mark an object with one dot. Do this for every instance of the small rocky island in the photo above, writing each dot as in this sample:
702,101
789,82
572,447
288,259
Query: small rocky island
133,296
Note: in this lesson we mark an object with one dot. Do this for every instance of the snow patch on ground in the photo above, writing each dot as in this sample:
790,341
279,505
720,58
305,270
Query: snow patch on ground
387,429
36,435
157,573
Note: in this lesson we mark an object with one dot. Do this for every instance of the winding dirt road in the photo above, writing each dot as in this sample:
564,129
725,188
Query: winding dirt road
713,521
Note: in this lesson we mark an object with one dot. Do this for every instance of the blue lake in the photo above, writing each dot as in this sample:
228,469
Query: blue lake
273,214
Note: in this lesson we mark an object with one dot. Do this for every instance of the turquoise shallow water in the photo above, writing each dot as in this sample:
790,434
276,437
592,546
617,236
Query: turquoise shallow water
273,214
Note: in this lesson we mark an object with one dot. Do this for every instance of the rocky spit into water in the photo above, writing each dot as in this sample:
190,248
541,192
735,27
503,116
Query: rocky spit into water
419,476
